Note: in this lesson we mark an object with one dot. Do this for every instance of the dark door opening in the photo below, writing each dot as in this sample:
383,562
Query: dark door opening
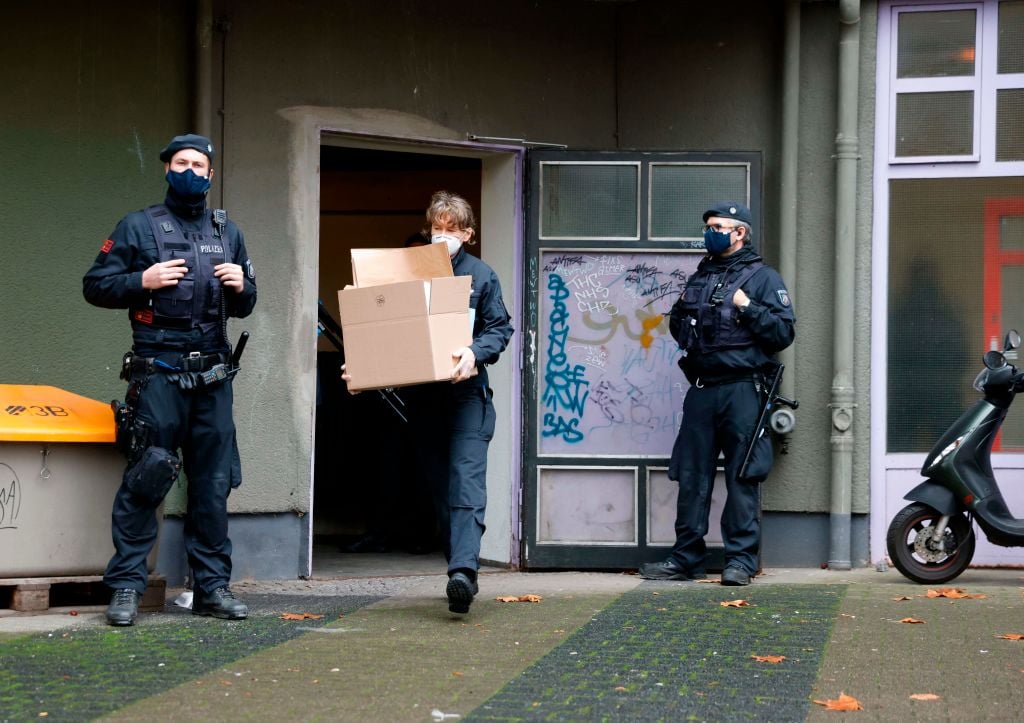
372,513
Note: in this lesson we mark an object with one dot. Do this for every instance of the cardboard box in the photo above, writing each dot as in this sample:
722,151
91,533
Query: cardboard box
400,330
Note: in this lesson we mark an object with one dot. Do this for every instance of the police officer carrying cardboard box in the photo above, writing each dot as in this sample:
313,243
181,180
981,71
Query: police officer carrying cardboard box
733,316
180,269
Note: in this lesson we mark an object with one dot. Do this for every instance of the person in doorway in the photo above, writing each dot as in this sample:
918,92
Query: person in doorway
180,269
733,315
451,424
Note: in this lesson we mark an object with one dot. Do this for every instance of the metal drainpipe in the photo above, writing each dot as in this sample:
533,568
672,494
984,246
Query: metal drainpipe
842,404
203,101
790,149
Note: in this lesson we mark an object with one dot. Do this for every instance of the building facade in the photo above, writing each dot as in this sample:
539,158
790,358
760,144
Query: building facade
876,142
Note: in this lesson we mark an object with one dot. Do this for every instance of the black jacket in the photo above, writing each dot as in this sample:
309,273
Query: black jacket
492,326
768,321
115,279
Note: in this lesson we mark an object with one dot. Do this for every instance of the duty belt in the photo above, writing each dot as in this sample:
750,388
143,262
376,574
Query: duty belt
188,362
720,380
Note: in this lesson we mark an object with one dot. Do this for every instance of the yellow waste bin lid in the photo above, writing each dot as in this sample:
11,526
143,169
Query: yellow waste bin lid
32,413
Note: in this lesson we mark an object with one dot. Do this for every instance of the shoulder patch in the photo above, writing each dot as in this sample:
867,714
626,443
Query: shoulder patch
783,297
107,245
249,270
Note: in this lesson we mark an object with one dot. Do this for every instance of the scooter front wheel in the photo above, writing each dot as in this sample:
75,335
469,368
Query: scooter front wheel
918,555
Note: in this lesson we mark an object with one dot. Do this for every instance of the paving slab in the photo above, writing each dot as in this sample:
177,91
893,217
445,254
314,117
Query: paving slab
954,653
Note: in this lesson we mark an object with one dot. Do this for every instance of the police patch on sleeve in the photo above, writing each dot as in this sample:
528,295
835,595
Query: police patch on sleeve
249,270
783,297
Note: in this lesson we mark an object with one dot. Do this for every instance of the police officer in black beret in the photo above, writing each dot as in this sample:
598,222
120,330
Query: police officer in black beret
733,316
180,269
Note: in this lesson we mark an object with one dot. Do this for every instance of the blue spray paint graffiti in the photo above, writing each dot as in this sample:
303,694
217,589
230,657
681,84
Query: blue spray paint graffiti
564,386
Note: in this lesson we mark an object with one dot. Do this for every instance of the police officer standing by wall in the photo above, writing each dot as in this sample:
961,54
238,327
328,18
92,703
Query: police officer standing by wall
180,269
452,423
733,316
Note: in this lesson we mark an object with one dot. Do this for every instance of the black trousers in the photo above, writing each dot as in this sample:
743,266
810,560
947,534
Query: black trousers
200,424
452,427
716,419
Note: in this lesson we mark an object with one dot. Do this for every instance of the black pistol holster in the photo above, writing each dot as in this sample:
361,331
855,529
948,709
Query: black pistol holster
151,477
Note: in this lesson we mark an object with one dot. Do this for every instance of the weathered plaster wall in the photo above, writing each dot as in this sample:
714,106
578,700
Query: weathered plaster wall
85,108
395,69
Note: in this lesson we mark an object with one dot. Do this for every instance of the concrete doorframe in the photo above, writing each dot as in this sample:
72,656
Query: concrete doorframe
501,217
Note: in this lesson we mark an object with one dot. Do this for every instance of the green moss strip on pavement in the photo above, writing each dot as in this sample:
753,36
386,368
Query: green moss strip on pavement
673,653
81,674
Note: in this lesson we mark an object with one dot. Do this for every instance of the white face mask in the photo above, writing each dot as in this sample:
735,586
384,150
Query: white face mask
452,241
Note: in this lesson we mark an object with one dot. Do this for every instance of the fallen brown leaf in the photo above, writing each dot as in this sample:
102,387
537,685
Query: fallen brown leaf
457,673
734,604
954,593
619,689
773,659
520,598
912,621
843,702
901,598
925,696
1011,636
301,616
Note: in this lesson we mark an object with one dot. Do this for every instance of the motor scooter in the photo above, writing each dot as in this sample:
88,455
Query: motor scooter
932,539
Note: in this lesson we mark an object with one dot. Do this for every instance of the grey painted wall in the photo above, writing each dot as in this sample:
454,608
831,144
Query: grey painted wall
83,127
84,110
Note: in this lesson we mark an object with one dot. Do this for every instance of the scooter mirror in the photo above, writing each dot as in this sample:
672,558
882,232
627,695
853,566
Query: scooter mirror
1012,340
994,359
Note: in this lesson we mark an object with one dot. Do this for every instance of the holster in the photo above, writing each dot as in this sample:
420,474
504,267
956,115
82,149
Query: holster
150,478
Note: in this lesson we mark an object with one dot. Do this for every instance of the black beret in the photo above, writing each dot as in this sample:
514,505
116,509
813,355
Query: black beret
729,209
189,140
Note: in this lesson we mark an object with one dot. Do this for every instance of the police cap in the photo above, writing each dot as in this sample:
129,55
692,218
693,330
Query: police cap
729,209
189,140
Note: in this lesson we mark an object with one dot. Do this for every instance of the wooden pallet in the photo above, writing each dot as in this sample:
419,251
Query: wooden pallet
85,593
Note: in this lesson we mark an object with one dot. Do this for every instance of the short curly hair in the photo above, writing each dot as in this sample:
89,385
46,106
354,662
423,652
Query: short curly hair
451,207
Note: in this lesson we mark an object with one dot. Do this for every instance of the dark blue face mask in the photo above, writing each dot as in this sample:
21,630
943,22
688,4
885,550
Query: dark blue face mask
187,185
717,241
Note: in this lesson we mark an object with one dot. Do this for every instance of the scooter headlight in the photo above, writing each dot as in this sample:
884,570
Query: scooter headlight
948,449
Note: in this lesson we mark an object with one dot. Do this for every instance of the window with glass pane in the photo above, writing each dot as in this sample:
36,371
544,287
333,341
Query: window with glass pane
1010,124
936,44
1011,36
681,193
589,200
935,124
937,287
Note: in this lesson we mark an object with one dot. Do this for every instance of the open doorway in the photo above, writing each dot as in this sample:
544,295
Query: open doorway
372,514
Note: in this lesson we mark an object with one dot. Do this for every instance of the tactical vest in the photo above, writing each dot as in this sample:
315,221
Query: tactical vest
197,298
710,318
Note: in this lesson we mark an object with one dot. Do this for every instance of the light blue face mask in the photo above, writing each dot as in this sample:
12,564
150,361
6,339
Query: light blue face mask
188,185
717,241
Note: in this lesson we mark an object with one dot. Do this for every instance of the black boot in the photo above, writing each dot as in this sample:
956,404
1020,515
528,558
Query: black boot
460,592
123,607
221,603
